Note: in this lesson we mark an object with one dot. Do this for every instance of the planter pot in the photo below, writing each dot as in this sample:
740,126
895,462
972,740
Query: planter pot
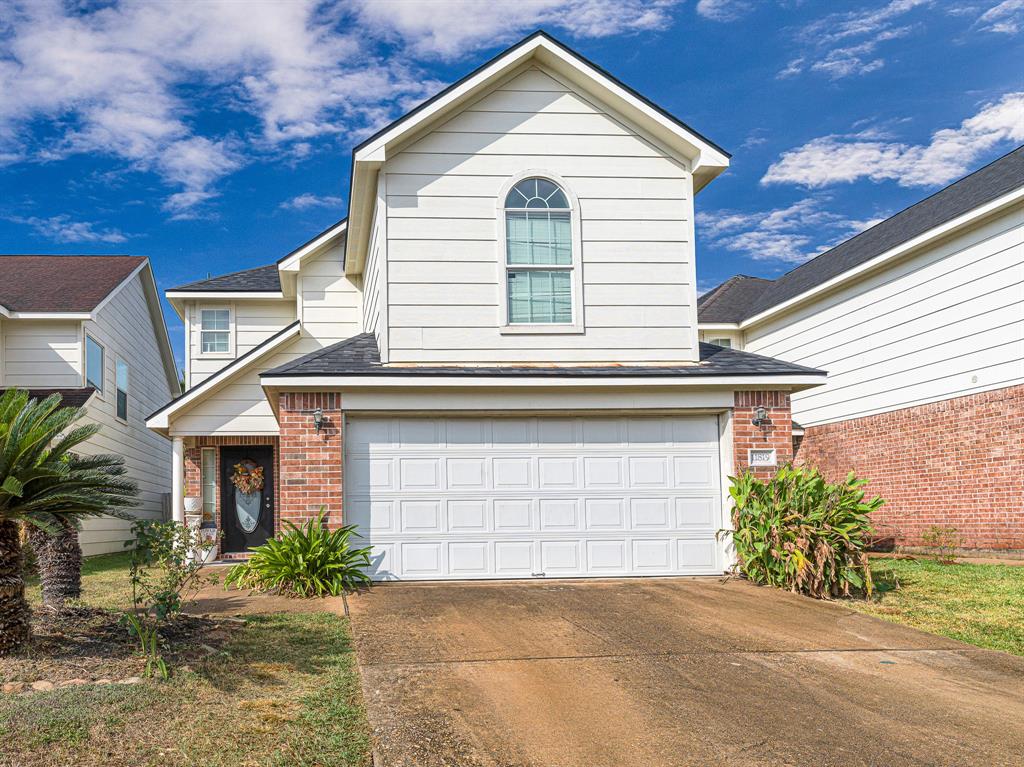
193,504
208,552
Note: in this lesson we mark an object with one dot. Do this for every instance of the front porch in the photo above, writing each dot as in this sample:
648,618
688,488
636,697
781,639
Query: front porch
302,467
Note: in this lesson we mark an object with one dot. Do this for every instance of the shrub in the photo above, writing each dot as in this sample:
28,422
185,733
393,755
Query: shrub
163,567
945,541
311,561
798,532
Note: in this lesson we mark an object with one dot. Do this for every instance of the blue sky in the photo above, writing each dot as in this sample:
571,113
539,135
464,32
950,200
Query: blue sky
216,136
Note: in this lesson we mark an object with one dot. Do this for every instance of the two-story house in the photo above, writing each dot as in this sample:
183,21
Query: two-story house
91,328
491,367
920,322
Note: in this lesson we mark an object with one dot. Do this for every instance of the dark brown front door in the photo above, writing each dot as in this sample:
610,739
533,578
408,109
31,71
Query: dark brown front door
247,519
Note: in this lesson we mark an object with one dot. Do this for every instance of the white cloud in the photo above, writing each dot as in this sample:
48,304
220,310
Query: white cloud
133,80
949,154
846,44
63,229
307,200
723,10
1005,18
791,234
451,28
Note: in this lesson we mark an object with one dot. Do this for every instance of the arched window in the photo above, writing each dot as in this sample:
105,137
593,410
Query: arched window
539,254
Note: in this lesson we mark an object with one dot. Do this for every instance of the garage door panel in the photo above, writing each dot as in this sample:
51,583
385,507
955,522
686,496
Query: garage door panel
514,558
559,514
698,512
557,473
560,557
468,558
605,514
467,516
603,471
513,473
606,557
519,497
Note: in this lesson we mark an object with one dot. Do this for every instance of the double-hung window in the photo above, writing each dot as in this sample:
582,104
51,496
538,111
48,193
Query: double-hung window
539,255
93,364
215,331
121,384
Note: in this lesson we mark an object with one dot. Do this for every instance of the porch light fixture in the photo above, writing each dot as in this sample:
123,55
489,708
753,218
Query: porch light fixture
318,419
761,417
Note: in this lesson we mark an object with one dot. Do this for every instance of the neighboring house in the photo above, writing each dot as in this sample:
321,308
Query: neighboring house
91,328
920,324
491,366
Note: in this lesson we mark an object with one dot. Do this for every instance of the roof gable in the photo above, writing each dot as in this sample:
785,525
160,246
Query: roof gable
705,158
61,284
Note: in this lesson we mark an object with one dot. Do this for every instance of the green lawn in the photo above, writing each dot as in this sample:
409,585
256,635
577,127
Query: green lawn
979,604
285,691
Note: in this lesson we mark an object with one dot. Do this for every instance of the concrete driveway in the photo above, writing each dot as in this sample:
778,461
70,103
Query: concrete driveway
670,672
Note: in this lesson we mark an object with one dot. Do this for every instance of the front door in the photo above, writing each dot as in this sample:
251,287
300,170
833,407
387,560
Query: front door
247,497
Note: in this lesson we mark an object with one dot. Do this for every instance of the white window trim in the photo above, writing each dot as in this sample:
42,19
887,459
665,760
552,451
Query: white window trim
117,389
85,364
577,325
230,309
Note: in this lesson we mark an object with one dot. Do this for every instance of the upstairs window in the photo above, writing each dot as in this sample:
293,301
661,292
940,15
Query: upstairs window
214,331
723,342
93,364
121,384
539,254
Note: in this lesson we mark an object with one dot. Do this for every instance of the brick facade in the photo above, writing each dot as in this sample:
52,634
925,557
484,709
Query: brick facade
959,463
778,434
310,462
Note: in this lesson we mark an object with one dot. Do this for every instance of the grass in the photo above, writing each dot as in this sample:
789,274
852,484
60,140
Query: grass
979,604
285,691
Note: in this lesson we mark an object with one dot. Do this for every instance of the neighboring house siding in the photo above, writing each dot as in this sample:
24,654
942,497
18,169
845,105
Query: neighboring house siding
42,353
125,329
945,323
443,269
252,322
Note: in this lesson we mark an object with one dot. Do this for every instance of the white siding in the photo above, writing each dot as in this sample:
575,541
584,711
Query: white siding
253,321
942,324
372,283
331,307
444,276
125,329
42,353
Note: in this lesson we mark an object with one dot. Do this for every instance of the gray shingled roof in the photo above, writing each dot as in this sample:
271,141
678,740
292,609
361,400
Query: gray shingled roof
359,356
38,283
68,397
994,180
259,280
730,301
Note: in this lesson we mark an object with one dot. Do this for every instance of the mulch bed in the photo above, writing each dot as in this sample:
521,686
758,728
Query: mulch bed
90,644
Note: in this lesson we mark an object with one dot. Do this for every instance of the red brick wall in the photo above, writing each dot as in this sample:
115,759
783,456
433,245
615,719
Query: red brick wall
310,463
952,463
745,435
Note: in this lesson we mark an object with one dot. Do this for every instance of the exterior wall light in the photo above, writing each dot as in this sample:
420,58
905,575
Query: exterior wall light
318,419
761,417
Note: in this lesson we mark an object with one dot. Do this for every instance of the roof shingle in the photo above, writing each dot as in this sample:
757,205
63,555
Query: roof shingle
983,186
359,356
40,283
262,279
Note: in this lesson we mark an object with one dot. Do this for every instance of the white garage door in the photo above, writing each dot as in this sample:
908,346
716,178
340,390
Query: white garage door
532,497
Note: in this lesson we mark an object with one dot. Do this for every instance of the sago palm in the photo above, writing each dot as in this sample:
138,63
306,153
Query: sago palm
45,484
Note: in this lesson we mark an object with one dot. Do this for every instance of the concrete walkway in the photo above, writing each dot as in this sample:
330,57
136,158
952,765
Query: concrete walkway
670,672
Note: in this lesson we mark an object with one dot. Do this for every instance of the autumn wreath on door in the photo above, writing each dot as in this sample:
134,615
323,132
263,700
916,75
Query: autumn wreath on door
247,478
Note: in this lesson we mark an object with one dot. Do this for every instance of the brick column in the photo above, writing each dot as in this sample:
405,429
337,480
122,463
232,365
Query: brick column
745,435
311,462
